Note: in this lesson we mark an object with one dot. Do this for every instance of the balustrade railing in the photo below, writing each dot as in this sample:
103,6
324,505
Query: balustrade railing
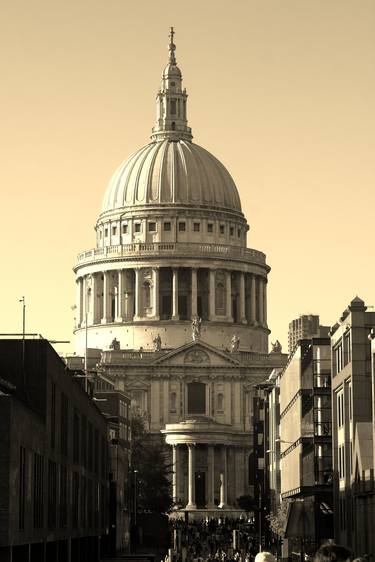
173,249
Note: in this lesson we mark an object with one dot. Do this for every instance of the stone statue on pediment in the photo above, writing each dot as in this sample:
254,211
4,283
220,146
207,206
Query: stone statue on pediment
276,347
196,327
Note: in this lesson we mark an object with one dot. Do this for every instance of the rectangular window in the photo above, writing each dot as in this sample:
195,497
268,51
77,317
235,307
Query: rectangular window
90,446
350,400
231,230
173,107
167,226
106,232
96,451
63,497
181,226
83,441
239,233
83,522
52,494
22,489
196,226
222,229
38,496
152,226
124,228
339,357
64,429
76,437
75,500
340,408
210,227
53,415
137,227
114,230
100,234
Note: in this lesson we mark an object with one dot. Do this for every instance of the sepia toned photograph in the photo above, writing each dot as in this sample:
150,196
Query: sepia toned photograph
187,337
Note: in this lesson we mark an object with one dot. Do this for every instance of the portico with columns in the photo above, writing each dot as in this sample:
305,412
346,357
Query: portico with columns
203,450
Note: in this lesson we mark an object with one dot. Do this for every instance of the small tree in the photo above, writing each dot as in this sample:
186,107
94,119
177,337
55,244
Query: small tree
277,521
151,461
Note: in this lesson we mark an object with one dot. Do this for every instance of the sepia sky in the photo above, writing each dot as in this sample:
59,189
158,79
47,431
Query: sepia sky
281,91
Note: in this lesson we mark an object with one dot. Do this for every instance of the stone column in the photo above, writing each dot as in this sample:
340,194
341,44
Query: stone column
84,300
211,297
79,287
253,305
191,477
128,306
175,462
223,479
137,290
120,296
228,307
106,298
175,314
155,300
260,302
242,299
194,292
265,302
210,477
94,298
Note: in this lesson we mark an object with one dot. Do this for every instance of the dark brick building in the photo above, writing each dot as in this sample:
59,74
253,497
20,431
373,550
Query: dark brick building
53,460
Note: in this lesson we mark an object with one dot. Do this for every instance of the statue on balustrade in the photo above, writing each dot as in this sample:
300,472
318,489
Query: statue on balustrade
115,345
157,343
234,343
196,328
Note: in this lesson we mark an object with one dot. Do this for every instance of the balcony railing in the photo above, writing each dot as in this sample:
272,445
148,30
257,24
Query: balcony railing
172,249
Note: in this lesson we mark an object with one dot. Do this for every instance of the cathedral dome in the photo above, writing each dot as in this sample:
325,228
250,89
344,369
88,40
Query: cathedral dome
172,172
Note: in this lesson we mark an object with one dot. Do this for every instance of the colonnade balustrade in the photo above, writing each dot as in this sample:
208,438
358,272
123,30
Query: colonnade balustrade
171,293
211,484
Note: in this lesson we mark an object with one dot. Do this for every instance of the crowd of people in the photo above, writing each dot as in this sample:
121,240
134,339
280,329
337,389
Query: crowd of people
233,540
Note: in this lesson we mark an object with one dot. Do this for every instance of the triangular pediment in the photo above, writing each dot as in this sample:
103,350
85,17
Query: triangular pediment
197,354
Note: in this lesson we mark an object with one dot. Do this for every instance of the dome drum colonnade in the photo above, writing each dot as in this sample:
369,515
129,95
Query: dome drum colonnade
171,293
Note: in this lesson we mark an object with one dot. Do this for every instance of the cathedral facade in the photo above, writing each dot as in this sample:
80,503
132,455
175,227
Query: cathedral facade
172,304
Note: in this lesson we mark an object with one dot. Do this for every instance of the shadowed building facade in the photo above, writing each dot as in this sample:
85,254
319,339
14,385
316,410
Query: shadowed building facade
174,305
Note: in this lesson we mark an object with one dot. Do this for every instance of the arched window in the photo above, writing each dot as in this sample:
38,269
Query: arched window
173,125
220,402
173,402
197,398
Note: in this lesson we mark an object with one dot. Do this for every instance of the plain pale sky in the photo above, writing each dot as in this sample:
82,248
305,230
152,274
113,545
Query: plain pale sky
282,92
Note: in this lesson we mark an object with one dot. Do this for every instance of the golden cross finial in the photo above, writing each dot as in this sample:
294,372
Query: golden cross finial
171,35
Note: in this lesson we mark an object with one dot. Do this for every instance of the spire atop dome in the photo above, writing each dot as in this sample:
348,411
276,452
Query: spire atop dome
171,102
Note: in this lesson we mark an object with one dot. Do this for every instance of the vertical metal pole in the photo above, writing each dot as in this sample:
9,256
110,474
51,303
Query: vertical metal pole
85,364
260,516
23,337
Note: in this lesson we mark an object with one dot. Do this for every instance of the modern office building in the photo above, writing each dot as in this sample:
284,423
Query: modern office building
353,438
53,459
306,445
304,327
174,304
